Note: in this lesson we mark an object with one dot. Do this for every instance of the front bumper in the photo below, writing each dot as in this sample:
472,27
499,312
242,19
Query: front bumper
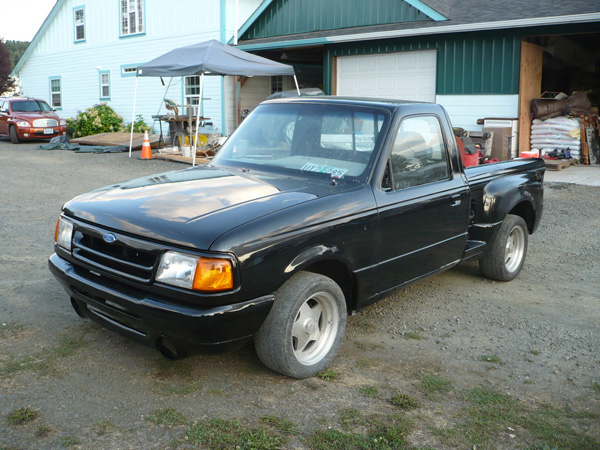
40,133
150,320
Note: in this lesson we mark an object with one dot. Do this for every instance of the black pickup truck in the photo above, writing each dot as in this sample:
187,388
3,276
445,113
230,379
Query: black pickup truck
313,209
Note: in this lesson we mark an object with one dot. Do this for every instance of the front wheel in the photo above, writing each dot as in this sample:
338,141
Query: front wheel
14,137
305,327
505,258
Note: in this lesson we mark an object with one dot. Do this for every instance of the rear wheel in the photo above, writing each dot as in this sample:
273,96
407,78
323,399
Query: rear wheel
505,258
305,327
14,137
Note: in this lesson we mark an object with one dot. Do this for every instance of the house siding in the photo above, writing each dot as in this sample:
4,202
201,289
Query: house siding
104,50
303,16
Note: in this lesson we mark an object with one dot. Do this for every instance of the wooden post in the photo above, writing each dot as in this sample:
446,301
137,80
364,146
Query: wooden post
585,150
530,87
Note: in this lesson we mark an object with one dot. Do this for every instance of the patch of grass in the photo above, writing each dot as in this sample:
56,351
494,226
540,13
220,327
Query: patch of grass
435,384
382,434
367,346
363,364
490,358
176,388
43,431
284,426
350,418
230,434
169,370
43,361
369,391
488,413
413,335
104,427
68,441
166,417
329,375
535,352
404,401
364,327
22,415
10,329
595,387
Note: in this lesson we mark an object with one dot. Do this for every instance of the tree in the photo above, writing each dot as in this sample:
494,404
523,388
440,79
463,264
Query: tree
6,82
17,50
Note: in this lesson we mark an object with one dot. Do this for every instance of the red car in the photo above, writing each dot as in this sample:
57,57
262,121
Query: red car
29,118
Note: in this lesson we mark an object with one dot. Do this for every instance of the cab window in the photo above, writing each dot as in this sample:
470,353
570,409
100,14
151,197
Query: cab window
419,154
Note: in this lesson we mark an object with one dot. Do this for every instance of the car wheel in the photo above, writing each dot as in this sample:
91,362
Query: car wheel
505,258
305,327
14,137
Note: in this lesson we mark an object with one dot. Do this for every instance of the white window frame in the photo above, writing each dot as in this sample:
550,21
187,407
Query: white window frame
132,17
79,23
53,93
191,92
104,84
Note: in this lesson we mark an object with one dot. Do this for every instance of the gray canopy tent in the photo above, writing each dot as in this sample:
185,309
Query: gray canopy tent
208,58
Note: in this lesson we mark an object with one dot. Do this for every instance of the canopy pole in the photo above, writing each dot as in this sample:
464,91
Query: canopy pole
198,119
225,116
297,88
133,117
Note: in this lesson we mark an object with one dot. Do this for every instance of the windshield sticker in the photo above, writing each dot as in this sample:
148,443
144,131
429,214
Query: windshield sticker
333,171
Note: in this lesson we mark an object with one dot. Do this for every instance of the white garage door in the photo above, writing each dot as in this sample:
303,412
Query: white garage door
402,75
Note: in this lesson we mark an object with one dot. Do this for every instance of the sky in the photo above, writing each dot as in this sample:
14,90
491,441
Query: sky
21,19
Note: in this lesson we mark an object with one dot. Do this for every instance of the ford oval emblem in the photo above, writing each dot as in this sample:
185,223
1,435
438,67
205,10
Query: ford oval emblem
109,238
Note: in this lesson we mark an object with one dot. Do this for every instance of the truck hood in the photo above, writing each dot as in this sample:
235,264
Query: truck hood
191,207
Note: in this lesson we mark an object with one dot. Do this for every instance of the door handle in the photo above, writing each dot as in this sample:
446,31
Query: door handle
456,200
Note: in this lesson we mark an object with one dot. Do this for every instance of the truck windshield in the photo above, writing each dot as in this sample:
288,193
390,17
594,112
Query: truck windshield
30,106
337,141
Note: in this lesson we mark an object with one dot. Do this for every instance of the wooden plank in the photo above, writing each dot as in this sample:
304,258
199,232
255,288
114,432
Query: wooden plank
530,87
558,164
180,159
117,139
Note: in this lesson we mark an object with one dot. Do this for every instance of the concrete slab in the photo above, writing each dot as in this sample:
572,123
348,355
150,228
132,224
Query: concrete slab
584,175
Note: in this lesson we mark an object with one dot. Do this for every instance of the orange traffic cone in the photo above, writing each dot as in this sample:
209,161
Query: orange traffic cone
146,150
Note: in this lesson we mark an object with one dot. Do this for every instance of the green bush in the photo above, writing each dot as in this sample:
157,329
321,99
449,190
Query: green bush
139,126
96,119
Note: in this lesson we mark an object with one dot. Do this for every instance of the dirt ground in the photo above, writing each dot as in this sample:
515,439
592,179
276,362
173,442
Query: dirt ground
534,342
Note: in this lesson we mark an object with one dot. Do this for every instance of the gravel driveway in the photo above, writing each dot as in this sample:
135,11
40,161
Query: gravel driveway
453,362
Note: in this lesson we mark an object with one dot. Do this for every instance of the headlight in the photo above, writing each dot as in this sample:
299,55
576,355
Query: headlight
63,233
197,273
23,124
63,122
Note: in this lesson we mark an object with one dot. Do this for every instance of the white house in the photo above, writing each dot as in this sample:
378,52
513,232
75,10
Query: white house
87,51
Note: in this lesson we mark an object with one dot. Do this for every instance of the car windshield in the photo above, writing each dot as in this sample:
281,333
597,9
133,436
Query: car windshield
325,140
30,106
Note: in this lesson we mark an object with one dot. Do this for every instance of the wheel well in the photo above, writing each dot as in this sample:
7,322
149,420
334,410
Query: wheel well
339,273
525,211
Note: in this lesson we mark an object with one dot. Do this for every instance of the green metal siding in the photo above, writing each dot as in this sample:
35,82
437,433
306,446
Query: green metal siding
473,63
285,17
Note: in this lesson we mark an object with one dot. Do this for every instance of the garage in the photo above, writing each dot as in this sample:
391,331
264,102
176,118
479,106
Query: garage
402,75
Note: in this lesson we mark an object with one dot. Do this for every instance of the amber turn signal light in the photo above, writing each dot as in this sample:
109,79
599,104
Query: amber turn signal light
213,274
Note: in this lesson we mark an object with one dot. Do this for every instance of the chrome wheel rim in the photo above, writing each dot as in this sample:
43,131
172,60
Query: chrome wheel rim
515,249
315,328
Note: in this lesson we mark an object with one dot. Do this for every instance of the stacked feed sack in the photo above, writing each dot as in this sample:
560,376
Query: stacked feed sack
560,133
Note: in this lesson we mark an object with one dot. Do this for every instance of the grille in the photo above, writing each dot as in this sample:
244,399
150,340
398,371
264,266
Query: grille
126,257
45,123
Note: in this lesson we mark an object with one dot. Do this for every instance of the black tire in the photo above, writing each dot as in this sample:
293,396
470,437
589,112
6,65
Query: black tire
305,327
504,260
14,137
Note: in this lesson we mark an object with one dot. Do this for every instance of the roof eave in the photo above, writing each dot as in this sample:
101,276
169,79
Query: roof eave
423,31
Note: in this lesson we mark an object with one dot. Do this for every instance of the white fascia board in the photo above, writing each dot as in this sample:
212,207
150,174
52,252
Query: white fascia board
481,26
